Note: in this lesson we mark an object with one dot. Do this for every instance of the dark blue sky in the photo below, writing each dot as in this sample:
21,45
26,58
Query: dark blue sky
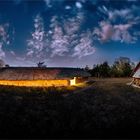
69,32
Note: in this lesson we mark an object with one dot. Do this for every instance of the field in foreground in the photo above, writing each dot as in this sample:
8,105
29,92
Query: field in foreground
102,108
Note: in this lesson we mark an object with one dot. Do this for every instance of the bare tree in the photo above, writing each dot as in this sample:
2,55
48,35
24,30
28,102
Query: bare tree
41,65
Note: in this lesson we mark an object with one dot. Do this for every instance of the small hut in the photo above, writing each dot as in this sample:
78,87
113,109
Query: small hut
136,75
41,76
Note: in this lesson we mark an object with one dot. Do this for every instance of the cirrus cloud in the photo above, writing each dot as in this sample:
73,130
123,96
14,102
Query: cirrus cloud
4,38
118,26
61,39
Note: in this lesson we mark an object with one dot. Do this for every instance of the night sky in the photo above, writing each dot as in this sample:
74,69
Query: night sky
70,33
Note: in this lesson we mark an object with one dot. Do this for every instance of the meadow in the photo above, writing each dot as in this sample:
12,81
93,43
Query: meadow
100,108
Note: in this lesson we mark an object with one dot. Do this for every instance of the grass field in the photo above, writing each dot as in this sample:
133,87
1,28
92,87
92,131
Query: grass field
101,108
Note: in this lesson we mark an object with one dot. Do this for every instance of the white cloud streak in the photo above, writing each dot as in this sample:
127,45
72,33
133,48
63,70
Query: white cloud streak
73,43
84,47
59,45
62,39
4,38
37,42
78,5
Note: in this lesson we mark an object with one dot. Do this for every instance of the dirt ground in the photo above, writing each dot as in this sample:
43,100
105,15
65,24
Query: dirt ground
101,108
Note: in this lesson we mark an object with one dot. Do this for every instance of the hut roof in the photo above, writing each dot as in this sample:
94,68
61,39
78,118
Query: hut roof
137,74
36,73
135,69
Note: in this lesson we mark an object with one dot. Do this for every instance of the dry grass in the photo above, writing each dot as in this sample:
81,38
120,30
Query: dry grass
100,108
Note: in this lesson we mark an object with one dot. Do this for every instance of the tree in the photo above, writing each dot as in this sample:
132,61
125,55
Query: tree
87,68
127,69
41,65
122,67
102,70
7,65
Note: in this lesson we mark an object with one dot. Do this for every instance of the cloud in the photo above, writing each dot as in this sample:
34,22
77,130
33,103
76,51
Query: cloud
107,32
67,7
62,35
48,3
123,13
69,39
13,53
59,43
118,26
63,38
2,53
84,47
4,38
53,3
78,5
37,42
122,33
72,25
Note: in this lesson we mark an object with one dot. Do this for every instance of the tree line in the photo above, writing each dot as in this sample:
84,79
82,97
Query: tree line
122,67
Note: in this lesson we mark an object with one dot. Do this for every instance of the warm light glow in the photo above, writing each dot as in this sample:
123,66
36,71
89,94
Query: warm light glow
42,83
35,83
73,81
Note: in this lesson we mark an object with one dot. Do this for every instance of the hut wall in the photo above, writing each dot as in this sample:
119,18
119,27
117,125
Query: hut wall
136,81
37,83
73,81
81,79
